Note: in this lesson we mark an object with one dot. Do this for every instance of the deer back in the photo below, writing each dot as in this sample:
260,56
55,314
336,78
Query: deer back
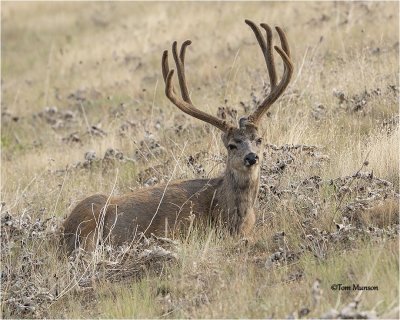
160,210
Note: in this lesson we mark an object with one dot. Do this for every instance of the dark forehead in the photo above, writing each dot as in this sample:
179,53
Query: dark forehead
243,133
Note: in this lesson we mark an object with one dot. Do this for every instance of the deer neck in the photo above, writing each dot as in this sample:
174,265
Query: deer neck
237,196
242,186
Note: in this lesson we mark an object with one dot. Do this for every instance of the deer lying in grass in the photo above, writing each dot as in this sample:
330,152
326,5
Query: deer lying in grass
228,199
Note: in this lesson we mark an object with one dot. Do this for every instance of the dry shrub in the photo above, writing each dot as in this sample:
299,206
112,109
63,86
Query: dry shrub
384,214
28,250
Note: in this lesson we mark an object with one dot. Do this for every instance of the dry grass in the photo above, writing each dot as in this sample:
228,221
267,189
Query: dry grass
328,206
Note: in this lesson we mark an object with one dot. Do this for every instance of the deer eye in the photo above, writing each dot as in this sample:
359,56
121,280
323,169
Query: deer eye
258,141
231,147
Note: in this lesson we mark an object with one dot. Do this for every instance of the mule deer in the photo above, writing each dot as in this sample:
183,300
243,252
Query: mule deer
228,199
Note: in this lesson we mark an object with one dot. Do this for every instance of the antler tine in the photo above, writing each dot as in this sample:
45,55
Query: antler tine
284,52
185,103
284,42
183,50
266,48
164,65
180,68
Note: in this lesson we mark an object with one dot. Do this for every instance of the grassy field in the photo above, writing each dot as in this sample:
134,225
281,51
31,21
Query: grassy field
83,111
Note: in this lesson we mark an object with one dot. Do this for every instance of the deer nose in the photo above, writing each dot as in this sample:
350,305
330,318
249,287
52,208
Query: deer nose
250,159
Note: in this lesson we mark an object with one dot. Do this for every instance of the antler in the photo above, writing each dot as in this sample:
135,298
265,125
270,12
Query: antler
284,52
184,103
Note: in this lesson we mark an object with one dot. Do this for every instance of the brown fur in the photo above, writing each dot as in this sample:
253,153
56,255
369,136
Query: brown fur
151,210
228,201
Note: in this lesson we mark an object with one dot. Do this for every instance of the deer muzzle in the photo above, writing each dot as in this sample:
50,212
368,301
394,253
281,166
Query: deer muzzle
250,159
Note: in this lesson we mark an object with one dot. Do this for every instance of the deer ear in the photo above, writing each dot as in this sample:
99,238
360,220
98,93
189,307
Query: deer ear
225,138
243,122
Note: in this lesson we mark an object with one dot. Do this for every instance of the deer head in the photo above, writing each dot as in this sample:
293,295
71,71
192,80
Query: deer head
243,142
